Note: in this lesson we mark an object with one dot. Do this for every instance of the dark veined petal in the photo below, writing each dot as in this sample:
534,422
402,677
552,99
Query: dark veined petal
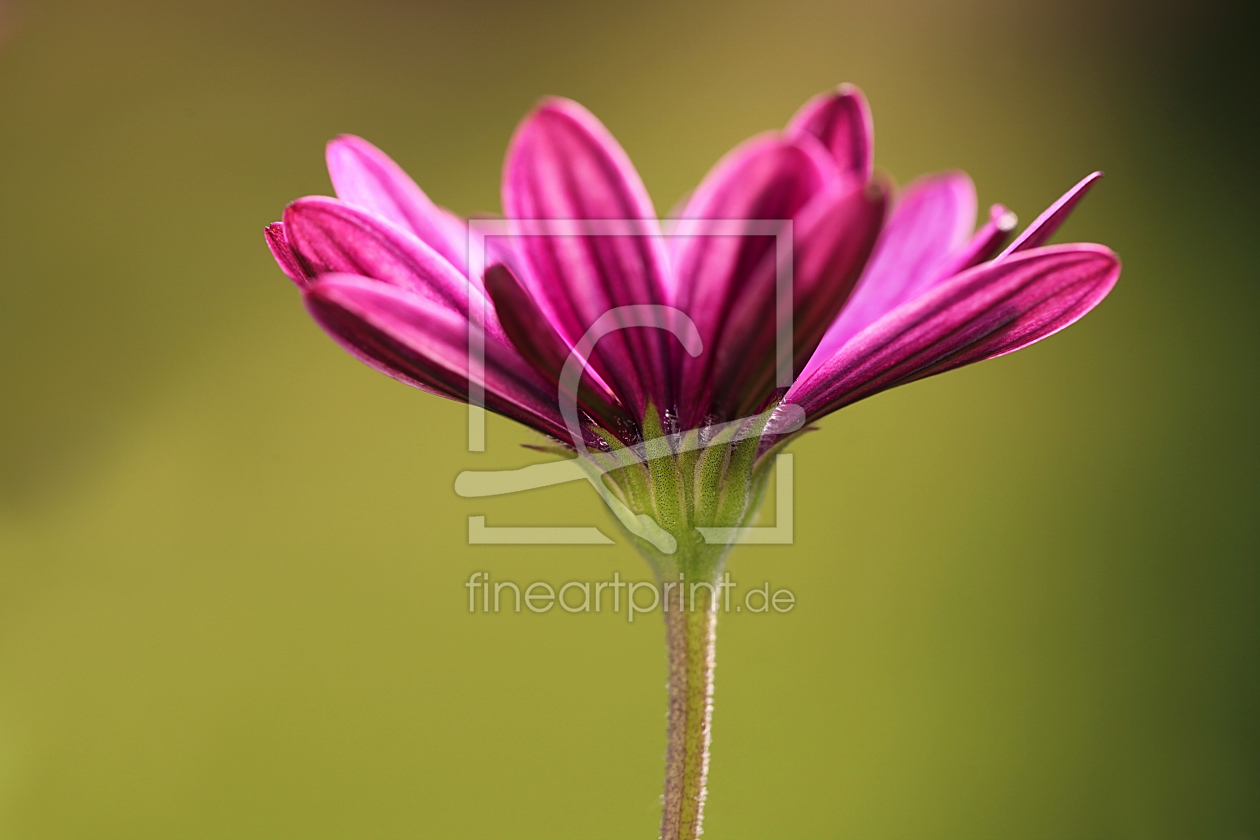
837,236
365,177
423,343
278,244
988,311
330,236
563,164
841,119
833,237
524,324
986,242
1044,226
718,266
932,221
537,341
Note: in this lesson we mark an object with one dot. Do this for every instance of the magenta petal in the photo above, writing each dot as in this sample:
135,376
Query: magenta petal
426,344
984,244
366,177
563,164
537,341
991,310
833,237
767,178
278,244
524,323
932,221
837,235
1044,226
841,119
329,236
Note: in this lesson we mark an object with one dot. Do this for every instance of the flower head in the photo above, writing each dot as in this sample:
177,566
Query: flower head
886,287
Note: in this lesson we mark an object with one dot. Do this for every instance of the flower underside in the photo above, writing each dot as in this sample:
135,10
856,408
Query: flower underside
673,359
886,287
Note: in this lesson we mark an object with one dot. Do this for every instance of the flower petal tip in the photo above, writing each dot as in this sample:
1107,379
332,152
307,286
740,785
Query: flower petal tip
1045,225
559,106
841,120
282,253
345,140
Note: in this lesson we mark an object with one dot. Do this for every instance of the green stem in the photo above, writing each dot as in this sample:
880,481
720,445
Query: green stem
690,636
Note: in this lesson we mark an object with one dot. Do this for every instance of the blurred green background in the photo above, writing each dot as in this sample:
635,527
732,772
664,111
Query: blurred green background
231,558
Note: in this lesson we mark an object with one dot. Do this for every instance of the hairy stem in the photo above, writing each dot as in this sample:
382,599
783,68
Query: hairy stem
690,636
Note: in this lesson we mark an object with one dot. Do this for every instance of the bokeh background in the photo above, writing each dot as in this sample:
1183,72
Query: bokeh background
231,557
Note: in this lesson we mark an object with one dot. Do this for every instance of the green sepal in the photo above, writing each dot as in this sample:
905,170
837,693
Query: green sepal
674,484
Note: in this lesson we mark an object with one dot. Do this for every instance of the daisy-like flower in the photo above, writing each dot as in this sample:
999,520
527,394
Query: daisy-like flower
679,412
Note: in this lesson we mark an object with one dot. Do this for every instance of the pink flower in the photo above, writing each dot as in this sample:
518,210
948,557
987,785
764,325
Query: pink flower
879,297
877,303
